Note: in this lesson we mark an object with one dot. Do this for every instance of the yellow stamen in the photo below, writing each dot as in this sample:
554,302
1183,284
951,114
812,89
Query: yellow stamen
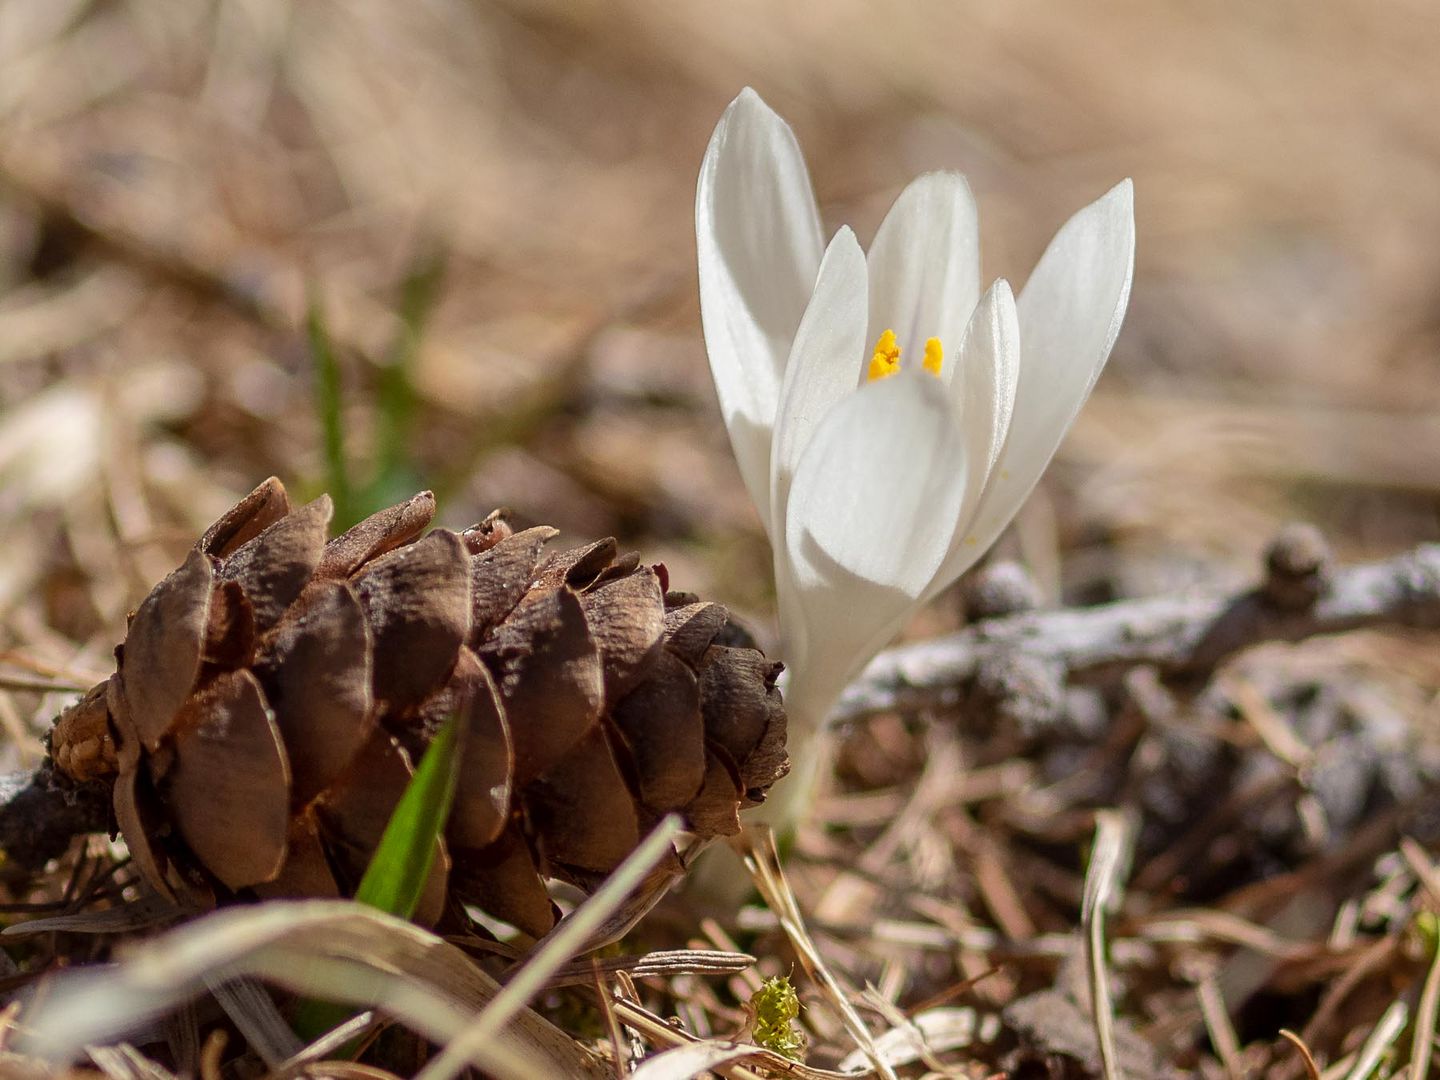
934,355
886,361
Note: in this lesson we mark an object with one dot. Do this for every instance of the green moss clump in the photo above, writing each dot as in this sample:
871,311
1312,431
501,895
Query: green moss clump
774,1008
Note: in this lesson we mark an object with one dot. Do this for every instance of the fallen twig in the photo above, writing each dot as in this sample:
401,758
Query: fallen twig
1182,636
41,813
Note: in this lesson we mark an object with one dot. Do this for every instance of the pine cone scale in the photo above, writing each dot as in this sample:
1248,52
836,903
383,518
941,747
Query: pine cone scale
230,782
739,711
376,535
690,628
500,578
272,568
264,506
550,678
578,568
715,808
307,868
317,679
163,650
627,621
417,602
501,878
664,732
581,810
484,788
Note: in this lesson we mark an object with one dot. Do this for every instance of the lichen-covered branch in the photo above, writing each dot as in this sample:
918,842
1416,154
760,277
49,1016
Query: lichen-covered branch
1183,636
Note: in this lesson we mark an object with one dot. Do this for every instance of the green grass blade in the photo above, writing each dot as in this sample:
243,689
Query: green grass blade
329,405
396,876
397,872
396,400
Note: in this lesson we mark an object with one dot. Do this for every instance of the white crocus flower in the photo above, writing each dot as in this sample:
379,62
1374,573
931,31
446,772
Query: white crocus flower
878,492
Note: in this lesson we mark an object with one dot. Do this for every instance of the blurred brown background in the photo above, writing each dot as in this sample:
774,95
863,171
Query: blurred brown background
176,177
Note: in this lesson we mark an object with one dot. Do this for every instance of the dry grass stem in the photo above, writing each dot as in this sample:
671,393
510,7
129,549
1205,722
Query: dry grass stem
1219,1027
1312,1070
1427,1012
1104,884
1379,1042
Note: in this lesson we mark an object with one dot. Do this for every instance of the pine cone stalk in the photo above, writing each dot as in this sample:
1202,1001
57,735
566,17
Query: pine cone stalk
273,692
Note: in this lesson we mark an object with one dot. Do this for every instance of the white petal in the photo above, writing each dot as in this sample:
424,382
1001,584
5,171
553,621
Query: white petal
829,349
1070,313
758,236
925,265
868,523
983,381
982,386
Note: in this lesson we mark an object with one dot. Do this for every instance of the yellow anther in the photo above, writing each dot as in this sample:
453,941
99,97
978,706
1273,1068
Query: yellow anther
886,361
934,355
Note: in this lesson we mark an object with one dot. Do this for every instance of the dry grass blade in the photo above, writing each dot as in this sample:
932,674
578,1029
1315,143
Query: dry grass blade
619,1047
644,894
124,1062
1312,1070
147,912
254,1013
323,949
352,1070
1425,1015
1379,1042
1210,925
1267,722
1418,861
1217,1023
327,1044
1373,959
655,965
1114,837
558,947
684,1062
932,1032
763,861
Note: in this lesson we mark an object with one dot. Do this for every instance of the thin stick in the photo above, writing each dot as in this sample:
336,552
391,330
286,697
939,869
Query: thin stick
45,686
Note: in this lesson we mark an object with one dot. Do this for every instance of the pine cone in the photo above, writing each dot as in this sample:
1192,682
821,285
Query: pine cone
273,692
